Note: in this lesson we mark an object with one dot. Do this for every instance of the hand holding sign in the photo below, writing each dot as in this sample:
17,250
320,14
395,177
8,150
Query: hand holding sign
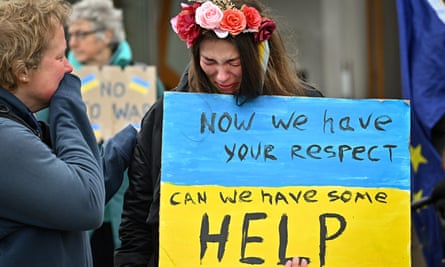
297,262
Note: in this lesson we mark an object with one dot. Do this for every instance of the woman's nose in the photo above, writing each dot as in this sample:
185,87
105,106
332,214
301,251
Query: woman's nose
222,74
68,66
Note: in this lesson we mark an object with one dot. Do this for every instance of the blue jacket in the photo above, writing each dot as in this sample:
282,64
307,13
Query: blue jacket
116,151
49,198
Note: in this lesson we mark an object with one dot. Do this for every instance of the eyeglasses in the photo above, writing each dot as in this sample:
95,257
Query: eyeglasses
81,35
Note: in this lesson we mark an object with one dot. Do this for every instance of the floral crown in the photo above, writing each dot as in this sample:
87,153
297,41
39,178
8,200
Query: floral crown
223,18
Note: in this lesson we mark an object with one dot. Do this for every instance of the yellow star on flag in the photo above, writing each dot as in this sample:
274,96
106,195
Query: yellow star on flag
416,157
418,195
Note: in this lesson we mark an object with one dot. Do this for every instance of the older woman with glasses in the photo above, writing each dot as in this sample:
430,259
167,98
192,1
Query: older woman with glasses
96,35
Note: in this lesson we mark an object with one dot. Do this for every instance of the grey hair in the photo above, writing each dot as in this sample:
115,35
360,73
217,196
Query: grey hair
102,15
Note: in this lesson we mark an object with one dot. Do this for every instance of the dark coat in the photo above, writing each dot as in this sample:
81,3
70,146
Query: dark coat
139,229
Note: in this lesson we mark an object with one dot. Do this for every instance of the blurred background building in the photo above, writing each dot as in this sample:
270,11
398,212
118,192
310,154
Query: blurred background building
346,48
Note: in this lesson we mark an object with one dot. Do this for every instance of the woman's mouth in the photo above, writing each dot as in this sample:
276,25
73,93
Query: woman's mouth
226,89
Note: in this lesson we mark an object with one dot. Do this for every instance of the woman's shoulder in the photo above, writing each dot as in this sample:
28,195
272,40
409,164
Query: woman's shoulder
154,114
311,91
16,136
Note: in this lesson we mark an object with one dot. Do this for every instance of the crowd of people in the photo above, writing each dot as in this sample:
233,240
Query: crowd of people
67,200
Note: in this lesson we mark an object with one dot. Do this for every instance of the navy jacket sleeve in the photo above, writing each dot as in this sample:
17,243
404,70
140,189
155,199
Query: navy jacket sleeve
138,231
116,155
61,189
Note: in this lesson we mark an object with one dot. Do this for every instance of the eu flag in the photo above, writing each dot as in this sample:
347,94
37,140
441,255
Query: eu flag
422,50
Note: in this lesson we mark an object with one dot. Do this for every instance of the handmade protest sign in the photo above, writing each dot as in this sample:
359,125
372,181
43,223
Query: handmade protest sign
116,97
277,177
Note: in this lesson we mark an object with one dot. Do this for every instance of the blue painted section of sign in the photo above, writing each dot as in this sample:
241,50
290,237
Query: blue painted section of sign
141,82
88,78
285,141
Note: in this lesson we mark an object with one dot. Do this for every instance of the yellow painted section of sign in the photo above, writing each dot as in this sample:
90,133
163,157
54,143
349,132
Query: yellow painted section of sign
137,88
311,217
89,86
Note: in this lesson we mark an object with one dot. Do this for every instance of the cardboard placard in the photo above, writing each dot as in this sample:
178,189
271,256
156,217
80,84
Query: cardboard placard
322,178
117,96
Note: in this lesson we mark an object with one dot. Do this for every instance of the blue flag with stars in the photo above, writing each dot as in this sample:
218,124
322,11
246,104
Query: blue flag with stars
422,51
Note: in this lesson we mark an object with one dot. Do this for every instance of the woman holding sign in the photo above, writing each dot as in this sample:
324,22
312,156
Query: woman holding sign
236,49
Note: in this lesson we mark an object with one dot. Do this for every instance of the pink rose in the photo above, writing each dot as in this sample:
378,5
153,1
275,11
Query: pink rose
253,17
266,29
208,15
233,21
174,23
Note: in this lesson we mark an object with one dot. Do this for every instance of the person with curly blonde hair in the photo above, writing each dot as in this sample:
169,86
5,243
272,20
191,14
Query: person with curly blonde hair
55,181
51,183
